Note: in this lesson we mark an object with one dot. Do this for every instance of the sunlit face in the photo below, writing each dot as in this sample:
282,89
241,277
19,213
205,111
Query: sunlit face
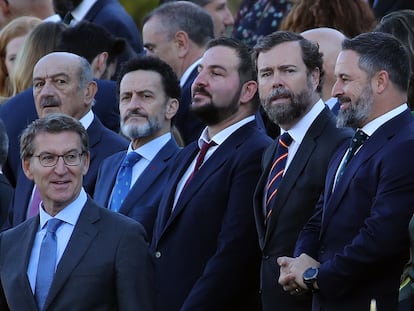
12,48
58,185
353,90
158,44
56,86
143,105
222,18
216,89
286,89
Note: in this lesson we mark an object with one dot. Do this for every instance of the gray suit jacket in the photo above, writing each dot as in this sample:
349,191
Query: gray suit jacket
106,265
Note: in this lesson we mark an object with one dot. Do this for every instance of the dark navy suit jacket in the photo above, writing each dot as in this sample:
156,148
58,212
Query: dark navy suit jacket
359,232
293,205
189,125
102,143
206,251
142,201
106,266
20,110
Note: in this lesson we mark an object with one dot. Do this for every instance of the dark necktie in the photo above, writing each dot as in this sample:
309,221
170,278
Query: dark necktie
277,170
357,141
47,262
68,18
200,159
123,180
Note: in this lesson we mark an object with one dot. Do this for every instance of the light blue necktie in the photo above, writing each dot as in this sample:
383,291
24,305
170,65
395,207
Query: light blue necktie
47,262
123,180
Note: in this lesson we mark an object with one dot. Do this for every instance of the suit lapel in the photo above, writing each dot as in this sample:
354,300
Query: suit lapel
83,235
94,134
155,168
376,142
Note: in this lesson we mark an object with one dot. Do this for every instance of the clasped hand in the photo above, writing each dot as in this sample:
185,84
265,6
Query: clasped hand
291,272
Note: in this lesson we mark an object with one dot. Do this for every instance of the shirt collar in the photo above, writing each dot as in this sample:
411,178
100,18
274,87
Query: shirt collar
87,119
82,9
151,148
188,71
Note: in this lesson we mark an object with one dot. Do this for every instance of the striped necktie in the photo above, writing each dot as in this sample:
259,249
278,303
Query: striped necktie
277,170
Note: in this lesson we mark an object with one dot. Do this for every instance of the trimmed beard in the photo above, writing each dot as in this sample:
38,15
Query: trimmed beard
355,115
136,131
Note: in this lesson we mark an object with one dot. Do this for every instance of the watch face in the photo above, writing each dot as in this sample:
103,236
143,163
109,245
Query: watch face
310,274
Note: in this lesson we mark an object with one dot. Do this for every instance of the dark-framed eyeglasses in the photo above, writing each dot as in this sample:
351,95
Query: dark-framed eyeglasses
72,158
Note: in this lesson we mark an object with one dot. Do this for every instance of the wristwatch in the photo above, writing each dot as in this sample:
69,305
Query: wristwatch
310,277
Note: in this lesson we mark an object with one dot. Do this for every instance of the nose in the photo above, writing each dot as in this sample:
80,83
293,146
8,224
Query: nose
337,89
277,80
228,18
200,79
60,167
47,89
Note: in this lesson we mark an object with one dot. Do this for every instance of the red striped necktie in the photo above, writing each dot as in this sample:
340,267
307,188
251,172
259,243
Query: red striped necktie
277,170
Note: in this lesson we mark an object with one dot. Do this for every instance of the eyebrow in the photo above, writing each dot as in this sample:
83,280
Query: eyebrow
52,76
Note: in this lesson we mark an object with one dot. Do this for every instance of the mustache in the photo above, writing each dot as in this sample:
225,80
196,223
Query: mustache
50,102
278,93
342,99
134,113
201,90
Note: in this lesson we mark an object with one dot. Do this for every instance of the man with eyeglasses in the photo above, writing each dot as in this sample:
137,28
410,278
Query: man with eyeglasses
63,83
75,255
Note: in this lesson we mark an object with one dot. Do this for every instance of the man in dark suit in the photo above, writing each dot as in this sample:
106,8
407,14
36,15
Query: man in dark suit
148,91
100,259
356,244
289,77
63,82
6,190
177,32
204,241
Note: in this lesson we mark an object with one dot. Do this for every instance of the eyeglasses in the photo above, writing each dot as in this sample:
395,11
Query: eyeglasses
72,158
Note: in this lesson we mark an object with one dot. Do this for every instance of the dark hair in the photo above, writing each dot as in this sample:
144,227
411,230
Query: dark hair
54,123
381,51
88,40
4,143
401,25
311,56
185,16
170,82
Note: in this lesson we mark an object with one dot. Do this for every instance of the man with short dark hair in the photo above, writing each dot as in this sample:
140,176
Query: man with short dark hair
75,255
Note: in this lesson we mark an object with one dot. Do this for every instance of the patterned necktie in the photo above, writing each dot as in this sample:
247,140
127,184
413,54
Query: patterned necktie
357,140
277,170
47,262
200,159
123,180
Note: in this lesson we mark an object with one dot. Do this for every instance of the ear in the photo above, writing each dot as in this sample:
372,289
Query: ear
172,108
315,75
99,64
86,161
380,81
182,42
27,169
248,91
90,92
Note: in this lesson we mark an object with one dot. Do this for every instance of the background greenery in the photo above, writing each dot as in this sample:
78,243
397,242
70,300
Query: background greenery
139,8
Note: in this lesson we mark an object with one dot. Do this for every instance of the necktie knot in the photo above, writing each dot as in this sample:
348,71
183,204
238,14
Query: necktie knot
357,140
130,159
285,140
53,224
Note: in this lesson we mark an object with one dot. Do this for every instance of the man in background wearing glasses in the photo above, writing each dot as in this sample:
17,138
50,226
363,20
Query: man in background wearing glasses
75,255
63,83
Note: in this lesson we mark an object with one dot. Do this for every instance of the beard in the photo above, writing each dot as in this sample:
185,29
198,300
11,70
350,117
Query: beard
355,115
210,113
287,113
135,131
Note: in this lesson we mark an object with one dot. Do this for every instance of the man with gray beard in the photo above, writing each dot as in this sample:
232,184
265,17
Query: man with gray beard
148,100
356,244
289,78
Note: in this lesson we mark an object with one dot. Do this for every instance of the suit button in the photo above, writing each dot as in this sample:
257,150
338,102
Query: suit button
157,254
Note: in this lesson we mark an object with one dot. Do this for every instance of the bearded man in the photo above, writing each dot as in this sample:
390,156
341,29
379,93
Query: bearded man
148,100
294,166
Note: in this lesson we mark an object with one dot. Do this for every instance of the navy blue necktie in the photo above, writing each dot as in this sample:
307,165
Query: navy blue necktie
47,262
277,170
123,180
357,141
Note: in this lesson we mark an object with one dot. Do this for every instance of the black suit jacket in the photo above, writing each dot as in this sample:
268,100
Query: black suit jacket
293,205
20,110
106,266
6,195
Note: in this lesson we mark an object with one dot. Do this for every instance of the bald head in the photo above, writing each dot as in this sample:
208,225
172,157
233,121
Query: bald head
330,41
